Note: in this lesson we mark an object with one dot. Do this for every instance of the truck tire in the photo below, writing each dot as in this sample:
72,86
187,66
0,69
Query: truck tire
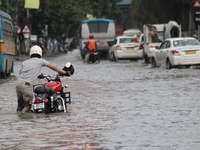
145,57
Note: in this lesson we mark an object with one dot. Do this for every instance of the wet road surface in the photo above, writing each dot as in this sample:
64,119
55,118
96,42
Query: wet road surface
124,105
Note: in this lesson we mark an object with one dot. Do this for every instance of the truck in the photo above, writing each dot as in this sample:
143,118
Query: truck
154,34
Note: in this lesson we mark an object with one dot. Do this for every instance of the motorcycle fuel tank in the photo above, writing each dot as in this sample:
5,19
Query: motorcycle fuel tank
55,85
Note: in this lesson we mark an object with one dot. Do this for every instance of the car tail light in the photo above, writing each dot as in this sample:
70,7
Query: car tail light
37,100
176,53
141,46
118,47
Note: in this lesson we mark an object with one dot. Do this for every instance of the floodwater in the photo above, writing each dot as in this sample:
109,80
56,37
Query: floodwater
124,105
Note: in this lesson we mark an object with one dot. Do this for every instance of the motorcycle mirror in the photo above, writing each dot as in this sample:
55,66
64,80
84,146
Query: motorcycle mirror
68,64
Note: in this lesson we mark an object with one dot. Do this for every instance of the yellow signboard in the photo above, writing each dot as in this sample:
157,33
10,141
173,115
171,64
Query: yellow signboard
33,4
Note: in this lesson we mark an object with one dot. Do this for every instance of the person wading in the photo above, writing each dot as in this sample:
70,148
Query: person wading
29,71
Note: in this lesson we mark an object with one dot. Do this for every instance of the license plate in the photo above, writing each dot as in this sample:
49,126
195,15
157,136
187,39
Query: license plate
130,48
190,52
38,106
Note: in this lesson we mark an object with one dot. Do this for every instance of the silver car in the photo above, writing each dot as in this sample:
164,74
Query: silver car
175,52
125,47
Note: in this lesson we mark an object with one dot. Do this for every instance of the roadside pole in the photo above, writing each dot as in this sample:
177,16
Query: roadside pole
189,27
29,4
27,40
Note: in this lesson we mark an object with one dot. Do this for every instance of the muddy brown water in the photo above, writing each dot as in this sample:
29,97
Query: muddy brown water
124,105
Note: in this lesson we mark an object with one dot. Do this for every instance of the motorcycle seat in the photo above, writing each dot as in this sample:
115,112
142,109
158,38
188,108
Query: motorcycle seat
44,89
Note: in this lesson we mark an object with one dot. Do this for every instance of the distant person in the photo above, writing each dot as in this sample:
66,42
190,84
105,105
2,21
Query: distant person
71,47
28,74
90,46
196,36
66,47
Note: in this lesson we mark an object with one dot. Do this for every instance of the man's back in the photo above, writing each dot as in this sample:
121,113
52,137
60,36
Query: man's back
92,44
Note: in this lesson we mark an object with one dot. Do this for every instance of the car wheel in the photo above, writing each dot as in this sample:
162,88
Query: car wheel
153,63
168,64
187,66
108,56
115,58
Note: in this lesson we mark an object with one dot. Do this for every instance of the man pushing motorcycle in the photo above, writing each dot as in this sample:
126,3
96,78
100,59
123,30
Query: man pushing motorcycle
29,71
90,45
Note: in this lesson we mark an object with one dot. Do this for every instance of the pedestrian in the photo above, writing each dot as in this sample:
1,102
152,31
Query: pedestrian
29,71
66,47
195,36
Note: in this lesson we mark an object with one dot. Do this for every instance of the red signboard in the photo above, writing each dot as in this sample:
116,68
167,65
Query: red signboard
18,29
196,4
26,29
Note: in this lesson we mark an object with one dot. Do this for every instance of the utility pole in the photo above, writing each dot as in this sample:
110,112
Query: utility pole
7,6
189,26
27,39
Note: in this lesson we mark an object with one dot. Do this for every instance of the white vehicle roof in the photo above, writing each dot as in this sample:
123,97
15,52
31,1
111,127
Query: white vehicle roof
179,38
127,36
132,32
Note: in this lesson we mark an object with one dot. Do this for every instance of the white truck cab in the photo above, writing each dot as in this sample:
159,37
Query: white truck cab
154,34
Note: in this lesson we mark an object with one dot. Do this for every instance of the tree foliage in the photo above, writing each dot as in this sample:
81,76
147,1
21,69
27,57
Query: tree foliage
61,16
160,11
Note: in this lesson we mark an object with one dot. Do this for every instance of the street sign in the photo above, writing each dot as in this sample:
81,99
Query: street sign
197,19
196,4
33,37
18,29
26,29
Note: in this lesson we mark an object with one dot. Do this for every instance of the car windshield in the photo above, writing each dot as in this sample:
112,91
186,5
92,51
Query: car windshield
128,40
185,42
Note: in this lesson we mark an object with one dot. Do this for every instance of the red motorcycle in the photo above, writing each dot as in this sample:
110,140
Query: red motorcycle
50,97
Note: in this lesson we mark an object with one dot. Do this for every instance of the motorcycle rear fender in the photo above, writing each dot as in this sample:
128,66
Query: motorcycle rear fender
41,96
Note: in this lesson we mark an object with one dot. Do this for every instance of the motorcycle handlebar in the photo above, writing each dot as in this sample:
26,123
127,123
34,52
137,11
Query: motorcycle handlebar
68,68
48,77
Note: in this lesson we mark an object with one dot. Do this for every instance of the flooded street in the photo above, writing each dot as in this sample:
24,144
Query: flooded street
124,105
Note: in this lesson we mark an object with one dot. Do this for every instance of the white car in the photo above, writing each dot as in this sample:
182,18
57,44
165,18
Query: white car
125,47
175,52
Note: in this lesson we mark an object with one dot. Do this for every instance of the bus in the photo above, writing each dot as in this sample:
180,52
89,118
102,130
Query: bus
103,31
7,45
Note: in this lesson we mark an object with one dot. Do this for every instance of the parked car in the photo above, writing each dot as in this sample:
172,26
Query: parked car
125,47
175,52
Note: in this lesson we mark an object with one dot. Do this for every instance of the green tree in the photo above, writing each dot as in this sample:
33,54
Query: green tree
64,16
9,7
157,11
